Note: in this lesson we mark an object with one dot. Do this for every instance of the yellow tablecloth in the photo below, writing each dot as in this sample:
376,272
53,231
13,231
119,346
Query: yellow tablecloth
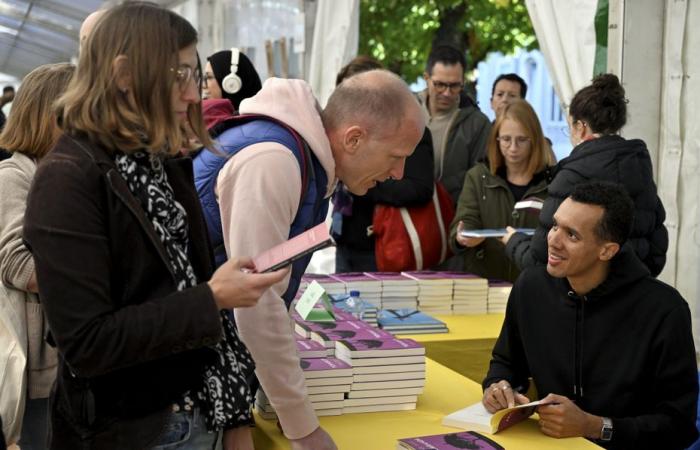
463,327
445,391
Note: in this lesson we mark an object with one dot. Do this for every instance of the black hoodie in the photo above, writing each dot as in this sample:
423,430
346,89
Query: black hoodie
608,158
625,351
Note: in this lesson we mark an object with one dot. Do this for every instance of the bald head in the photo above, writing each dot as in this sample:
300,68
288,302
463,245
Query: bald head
88,25
377,99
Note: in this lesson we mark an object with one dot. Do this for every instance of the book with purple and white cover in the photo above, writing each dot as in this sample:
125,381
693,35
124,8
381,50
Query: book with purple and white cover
432,284
310,349
377,348
331,285
499,291
350,330
369,288
449,441
325,368
394,280
427,277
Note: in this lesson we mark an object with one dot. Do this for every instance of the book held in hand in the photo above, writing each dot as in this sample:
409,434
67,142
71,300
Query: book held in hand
449,441
476,417
530,203
297,247
493,232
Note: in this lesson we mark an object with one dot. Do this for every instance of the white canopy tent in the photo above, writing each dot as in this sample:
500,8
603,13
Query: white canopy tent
651,46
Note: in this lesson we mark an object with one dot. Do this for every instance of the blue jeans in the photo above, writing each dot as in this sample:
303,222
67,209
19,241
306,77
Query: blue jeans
186,430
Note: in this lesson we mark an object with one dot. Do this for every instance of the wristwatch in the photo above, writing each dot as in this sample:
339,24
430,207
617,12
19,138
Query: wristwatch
607,430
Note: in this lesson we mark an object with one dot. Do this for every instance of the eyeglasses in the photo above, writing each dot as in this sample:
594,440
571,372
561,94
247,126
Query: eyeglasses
441,87
184,74
520,141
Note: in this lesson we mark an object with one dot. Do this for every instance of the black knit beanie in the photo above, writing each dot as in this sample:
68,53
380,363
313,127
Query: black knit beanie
221,66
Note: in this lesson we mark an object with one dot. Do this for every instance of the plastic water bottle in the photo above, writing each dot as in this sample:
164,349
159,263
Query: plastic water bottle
355,303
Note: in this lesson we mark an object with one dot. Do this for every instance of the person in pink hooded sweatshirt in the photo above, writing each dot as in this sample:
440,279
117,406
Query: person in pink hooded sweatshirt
370,125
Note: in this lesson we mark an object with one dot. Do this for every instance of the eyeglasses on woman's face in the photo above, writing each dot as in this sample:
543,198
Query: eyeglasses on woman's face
184,74
520,141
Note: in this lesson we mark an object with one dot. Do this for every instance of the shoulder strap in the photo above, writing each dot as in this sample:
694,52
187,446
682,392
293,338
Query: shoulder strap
304,151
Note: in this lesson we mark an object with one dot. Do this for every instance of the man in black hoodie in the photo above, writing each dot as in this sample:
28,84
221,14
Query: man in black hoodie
608,347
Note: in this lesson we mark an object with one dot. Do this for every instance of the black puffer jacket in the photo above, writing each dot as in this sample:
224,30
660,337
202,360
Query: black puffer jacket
608,158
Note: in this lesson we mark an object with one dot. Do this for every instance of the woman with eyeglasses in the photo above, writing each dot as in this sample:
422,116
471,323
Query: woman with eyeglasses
596,115
517,169
148,356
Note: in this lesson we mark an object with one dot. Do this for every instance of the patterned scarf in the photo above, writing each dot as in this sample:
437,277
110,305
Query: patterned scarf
225,396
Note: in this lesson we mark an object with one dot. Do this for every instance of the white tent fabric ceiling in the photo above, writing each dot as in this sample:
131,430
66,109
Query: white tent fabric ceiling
37,32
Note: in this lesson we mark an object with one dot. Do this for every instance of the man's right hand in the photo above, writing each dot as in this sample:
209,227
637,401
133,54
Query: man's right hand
501,395
235,285
317,440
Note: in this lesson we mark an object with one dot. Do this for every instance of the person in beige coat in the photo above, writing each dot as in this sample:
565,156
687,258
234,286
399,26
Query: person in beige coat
30,133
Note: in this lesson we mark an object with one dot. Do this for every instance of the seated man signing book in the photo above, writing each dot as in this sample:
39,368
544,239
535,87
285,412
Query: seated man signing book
608,347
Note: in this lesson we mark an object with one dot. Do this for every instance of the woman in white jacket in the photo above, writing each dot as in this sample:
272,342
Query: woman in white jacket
29,134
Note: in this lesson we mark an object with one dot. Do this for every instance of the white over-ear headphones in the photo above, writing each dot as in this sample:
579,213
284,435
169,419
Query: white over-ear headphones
232,83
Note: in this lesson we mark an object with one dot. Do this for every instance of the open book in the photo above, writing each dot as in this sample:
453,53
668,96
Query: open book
477,418
297,247
494,232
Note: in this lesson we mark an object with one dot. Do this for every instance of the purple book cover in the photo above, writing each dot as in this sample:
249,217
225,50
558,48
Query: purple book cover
360,333
353,277
320,277
465,439
493,282
460,275
360,345
307,345
422,275
389,276
317,364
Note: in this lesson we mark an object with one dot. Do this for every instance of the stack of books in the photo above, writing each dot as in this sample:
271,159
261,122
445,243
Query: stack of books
398,291
306,348
357,307
327,381
331,285
388,374
470,293
369,288
499,291
434,291
410,321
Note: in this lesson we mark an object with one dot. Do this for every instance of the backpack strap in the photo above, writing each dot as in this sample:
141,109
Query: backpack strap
306,165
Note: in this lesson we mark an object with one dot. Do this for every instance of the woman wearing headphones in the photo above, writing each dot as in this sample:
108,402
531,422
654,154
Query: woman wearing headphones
229,74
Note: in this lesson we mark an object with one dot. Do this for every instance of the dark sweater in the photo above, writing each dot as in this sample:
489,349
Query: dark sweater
608,158
625,351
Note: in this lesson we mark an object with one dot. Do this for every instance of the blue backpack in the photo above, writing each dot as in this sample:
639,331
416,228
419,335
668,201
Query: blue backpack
243,131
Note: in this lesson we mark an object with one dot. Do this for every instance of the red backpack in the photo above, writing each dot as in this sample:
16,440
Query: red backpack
413,238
